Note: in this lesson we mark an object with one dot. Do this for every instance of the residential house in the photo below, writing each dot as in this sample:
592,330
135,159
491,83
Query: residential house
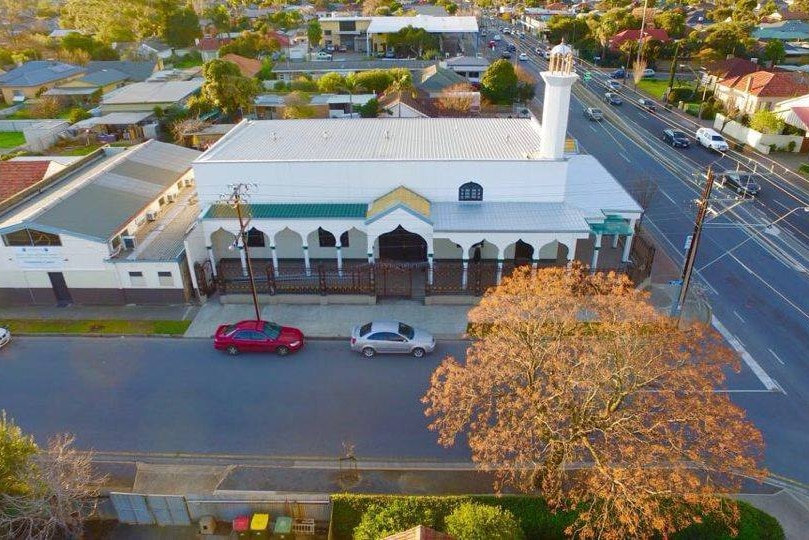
248,67
273,106
795,112
784,31
32,78
786,14
633,34
761,90
453,203
470,67
207,136
17,176
108,230
154,48
447,91
145,96
135,71
728,69
90,87
209,47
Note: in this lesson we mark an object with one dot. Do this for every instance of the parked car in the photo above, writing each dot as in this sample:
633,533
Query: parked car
257,336
648,72
613,85
593,113
391,337
743,183
505,54
619,73
648,104
523,57
329,48
342,48
323,55
5,337
613,99
711,140
676,138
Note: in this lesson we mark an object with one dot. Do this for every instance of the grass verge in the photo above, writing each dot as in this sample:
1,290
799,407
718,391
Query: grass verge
11,139
111,327
657,87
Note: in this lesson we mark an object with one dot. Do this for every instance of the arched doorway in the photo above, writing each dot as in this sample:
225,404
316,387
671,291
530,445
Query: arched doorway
402,245
523,252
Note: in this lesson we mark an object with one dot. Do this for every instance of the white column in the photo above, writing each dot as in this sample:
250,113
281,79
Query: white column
339,258
596,249
306,259
274,259
430,268
614,241
556,105
535,259
627,248
465,276
243,259
499,270
211,258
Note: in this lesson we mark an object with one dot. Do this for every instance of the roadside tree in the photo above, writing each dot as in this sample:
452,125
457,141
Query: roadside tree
412,41
314,33
226,88
16,450
578,389
768,122
473,521
499,82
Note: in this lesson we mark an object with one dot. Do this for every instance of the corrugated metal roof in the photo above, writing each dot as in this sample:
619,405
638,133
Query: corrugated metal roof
593,190
152,92
291,211
388,25
39,72
120,191
412,139
507,217
400,196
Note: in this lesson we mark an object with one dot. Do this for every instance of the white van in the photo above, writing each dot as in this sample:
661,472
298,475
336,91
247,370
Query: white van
711,140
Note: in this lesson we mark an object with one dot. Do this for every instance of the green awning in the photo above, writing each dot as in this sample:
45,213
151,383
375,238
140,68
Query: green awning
612,225
291,211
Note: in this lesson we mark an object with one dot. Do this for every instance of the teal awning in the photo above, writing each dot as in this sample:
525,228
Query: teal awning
612,225
291,211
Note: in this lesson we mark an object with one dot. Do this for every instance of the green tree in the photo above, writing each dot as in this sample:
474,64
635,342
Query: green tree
472,521
182,26
573,30
499,82
672,21
12,14
401,514
774,51
16,451
250,45
412,41
297,106
331,82
226,88
727,38
94,48
768,8
401,82
765,121
219,17
314,32
371,109
352,86
77,114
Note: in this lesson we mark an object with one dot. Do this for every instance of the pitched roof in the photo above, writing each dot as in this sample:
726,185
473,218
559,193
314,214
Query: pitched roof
437,79
247,66
104,77
212,43
732,67
136,71
388,25
39,72
634,34
15,176
281,38
769,84
292,211
152,92
508,217
782,30
401,196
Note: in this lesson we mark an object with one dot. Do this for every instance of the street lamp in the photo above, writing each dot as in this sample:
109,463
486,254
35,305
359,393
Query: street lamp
238,195
704,88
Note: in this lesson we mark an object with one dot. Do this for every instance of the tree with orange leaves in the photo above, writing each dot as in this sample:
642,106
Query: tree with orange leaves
577,389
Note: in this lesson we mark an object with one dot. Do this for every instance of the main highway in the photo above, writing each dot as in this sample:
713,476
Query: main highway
753,260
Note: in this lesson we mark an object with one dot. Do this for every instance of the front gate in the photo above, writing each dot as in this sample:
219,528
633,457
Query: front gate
138,509
393,280
206,282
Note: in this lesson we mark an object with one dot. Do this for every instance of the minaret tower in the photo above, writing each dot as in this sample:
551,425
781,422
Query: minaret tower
559,81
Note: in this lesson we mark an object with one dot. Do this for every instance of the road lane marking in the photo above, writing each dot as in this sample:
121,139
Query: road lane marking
782,205
739,316
187,311
626,158
666,195
772,352
768,382
773,289
591,127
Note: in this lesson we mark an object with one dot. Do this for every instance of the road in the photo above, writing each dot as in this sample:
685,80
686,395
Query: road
754,277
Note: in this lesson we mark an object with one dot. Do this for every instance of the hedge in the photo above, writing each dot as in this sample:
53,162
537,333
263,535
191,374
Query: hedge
537,520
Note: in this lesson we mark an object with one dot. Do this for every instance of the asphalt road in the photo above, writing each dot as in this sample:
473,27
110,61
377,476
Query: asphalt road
754,278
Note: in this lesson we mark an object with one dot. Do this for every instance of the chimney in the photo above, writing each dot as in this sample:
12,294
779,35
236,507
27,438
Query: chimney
559,79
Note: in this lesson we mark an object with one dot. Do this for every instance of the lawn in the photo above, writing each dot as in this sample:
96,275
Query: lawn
11,139
110,327
657,87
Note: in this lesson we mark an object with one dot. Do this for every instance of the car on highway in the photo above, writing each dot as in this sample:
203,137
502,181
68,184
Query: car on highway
712,140
744,183
539,50
523,57
619,73
648,104
497,37
391,337
323,55
521,35
648,72
613,99
593,113
546,55
505,54
613,85
676,138
5,337
511,47
257,336
507,31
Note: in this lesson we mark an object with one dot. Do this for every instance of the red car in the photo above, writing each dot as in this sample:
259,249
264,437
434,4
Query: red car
257,336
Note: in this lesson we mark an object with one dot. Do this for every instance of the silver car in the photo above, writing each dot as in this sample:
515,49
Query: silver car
5,337
391,337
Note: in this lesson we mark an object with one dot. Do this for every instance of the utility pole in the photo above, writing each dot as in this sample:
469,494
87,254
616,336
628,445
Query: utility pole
691,256
640,37
238,196
672,71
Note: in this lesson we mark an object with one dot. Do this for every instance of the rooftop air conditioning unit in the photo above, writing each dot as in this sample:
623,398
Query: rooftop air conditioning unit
151,216
129,242
171,197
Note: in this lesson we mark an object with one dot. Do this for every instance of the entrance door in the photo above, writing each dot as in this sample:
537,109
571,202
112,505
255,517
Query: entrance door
402,245
60,290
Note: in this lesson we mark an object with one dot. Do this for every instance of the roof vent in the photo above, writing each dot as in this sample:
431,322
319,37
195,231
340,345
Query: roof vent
508,137
274,136
325,134
386,135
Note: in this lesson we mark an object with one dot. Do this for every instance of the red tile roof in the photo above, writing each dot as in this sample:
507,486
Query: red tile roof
16,176
634,34
732,67
248,66
212,43
770,84
802,113
282,39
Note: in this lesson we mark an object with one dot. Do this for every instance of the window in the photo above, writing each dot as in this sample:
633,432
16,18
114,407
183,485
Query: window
31,237
344,239
348,26
365,328
136,279
326,32
255,238
470,191
165,279
325,238
406,330
161,201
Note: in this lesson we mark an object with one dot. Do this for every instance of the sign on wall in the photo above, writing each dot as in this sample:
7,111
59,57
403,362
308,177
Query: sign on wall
39,257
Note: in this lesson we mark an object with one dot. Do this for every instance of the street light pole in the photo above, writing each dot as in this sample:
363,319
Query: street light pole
239,194
640,36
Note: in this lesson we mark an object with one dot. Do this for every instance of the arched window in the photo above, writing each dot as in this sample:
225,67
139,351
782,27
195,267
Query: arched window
325,238
470,191
255,238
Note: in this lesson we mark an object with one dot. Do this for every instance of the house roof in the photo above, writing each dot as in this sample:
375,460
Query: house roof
152,92
349,65
437,79
389,25
401,196
212,43
15,176
247,66
634,35
114,119
786,30
292,211
594,191
282,39
769,84
508,217
467,61
109,197
377,139
135,71
155,45
732,67
39,72
103,77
